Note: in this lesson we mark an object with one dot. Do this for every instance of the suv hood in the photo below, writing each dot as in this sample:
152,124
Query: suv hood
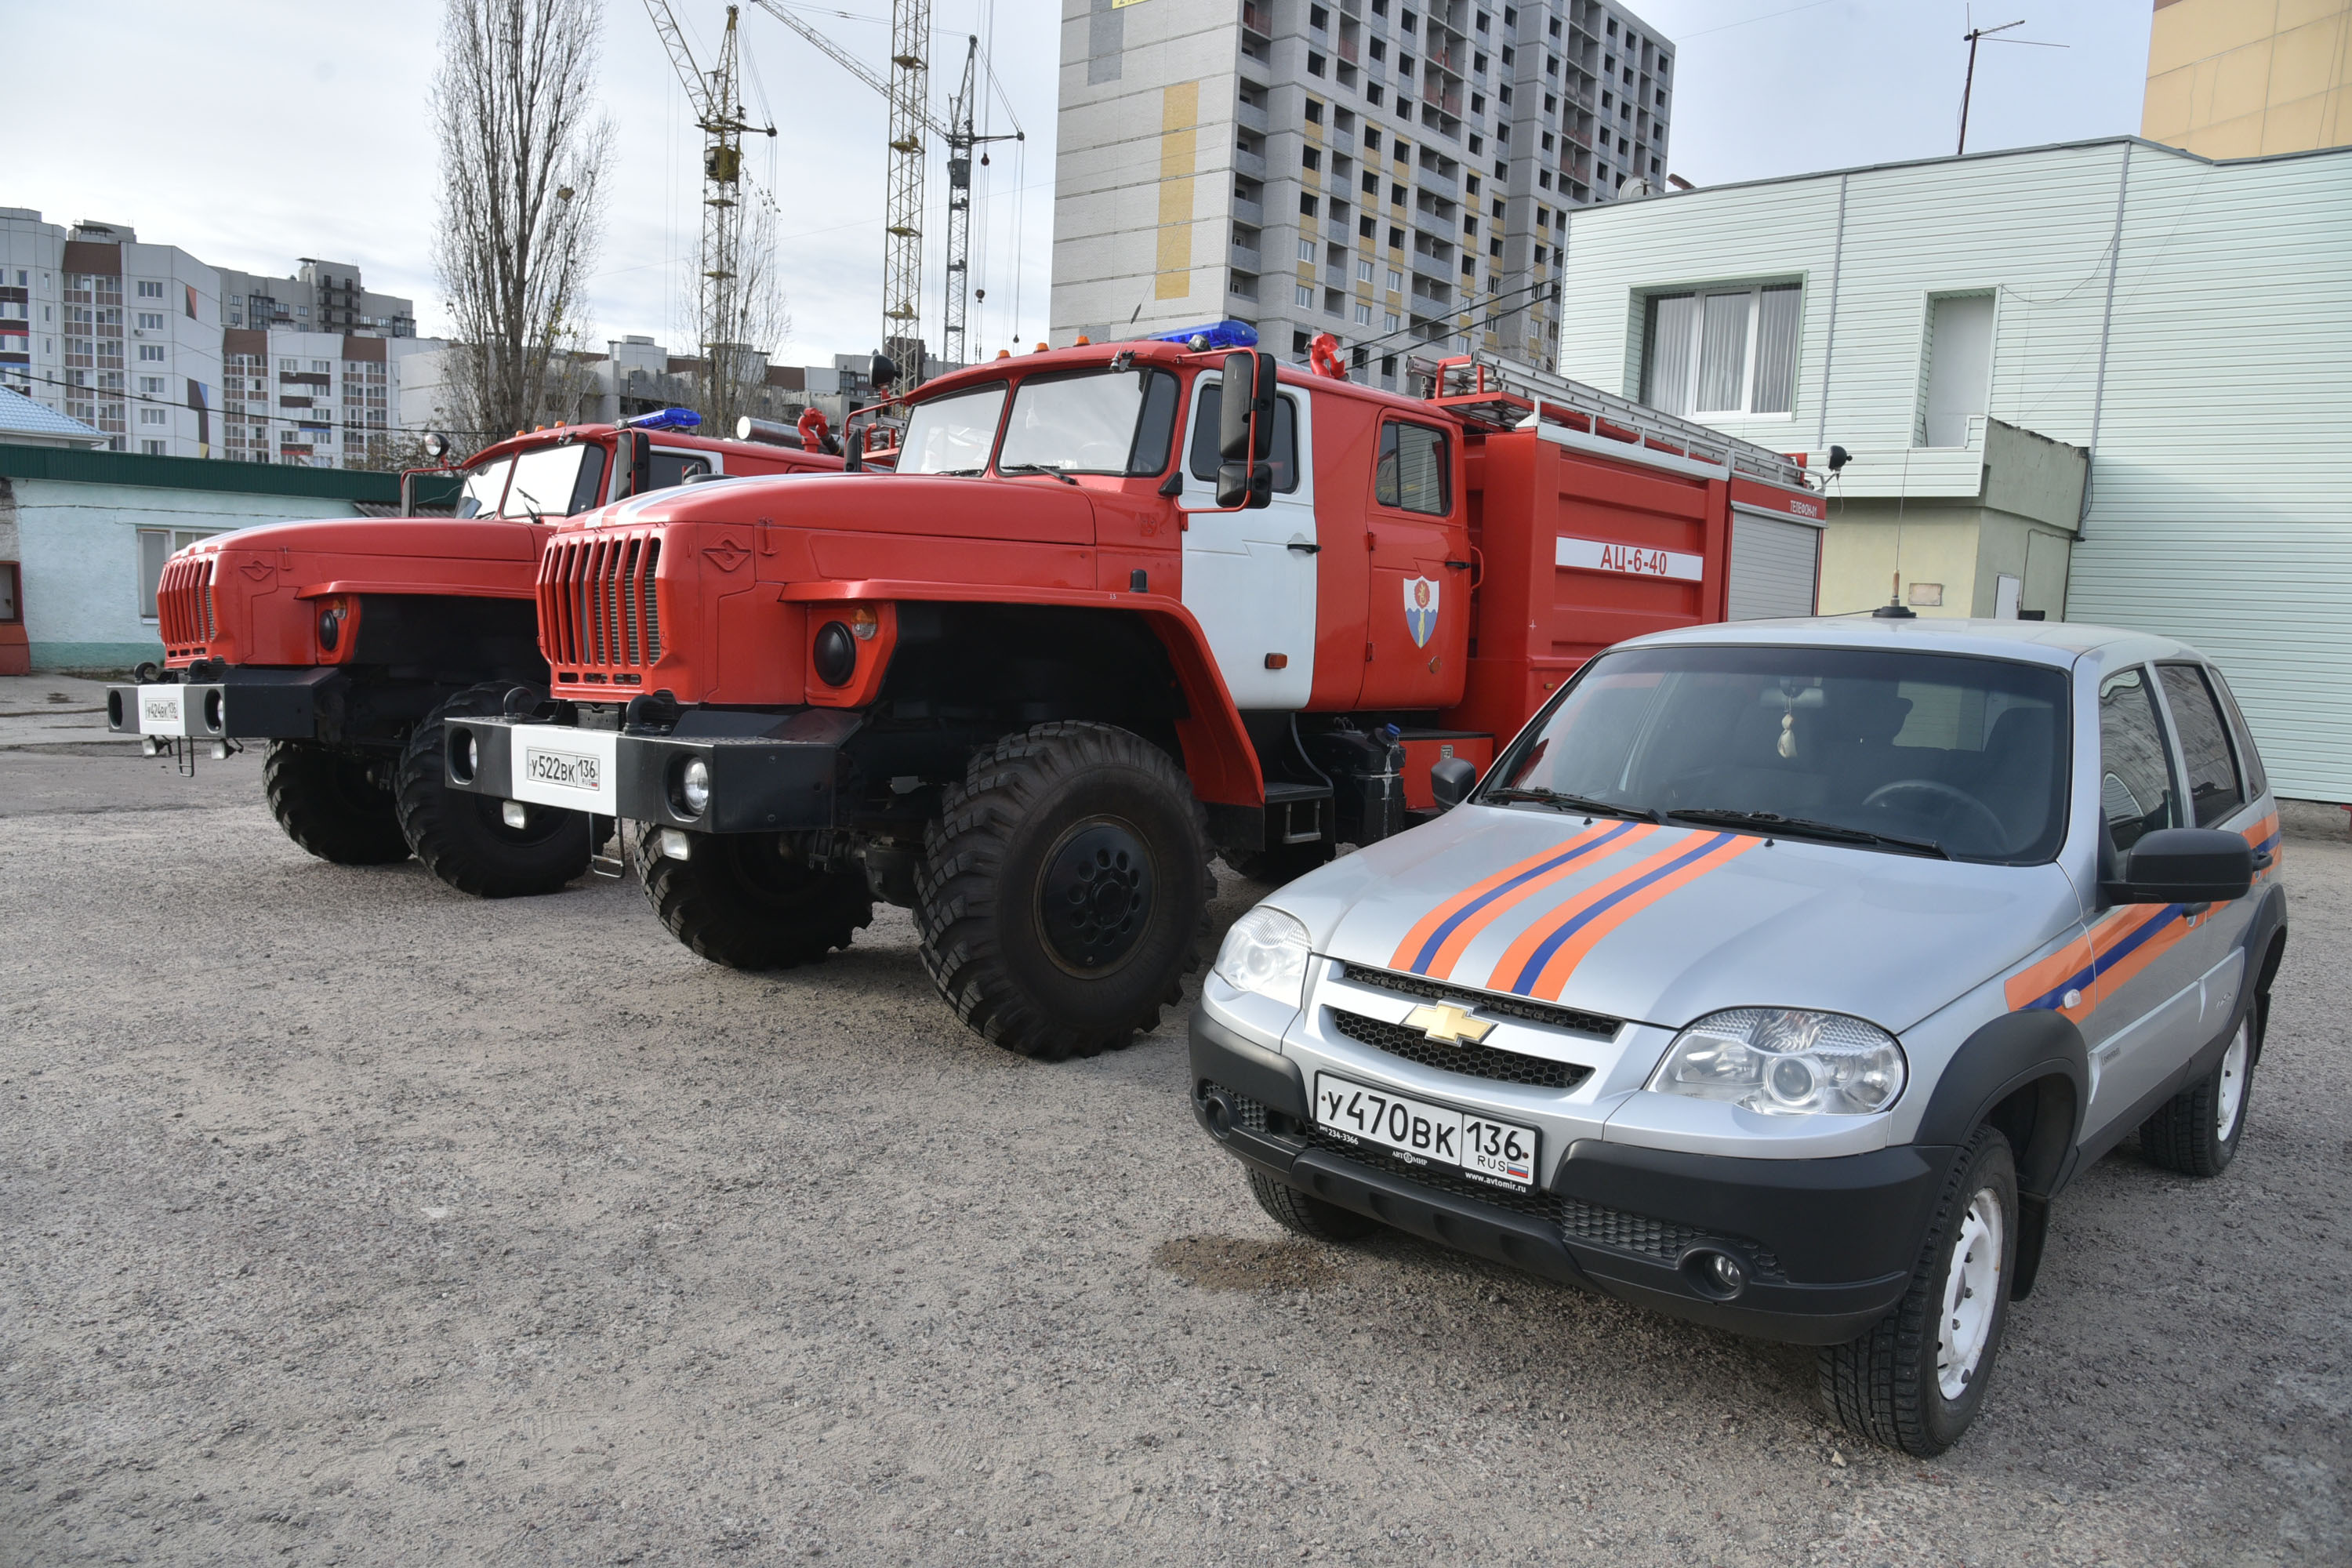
1662,924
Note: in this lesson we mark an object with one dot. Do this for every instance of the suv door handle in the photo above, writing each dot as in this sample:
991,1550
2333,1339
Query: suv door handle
2261,859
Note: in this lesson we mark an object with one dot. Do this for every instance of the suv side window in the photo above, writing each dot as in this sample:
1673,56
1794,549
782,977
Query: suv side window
2135,791
2249,759
2214,792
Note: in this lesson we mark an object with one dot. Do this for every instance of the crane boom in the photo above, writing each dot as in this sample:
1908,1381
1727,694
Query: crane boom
841,57
680,57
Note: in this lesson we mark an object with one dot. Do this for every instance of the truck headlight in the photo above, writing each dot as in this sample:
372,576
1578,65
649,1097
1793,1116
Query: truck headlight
693,788
1785,1061
1266,952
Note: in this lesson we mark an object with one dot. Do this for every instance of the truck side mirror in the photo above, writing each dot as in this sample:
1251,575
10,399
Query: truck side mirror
1245,430
2184,866
636,461
1451,780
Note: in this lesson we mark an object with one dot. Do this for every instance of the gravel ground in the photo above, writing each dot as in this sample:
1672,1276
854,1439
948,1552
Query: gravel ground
351,1220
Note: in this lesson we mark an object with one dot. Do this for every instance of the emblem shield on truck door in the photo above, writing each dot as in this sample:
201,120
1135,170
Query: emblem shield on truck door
1421,609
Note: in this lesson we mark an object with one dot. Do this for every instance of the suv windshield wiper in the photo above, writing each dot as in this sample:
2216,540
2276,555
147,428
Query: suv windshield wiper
1553,797
1804,827
1038,469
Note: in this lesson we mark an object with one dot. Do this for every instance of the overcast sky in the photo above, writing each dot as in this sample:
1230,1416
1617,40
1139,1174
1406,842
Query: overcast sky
250,133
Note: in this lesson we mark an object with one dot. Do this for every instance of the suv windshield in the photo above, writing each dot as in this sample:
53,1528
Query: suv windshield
1917,752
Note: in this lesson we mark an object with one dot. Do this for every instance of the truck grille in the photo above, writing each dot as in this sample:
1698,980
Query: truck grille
598,616
184,606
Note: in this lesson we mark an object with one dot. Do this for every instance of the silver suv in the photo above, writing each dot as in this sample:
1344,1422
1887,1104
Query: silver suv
1779,975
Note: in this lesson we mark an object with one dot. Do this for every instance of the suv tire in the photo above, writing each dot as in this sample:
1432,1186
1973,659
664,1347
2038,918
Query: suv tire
328,803
750,901
1303,1213
2196,1131
1916,1380
463,838
1063,891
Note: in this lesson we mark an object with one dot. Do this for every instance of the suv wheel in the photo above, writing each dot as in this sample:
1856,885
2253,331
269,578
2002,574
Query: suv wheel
1914,1382
1303,1213
328,802
2196,1131
1063,891
749,900
462,837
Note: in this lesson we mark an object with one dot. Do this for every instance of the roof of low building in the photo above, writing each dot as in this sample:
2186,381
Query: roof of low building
23,419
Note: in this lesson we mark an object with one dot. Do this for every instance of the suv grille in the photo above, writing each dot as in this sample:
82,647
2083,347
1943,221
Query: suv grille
1471,1060
184,606
1542,1013
599,614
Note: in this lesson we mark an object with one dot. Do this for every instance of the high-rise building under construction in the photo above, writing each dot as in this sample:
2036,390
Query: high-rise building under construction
1395,173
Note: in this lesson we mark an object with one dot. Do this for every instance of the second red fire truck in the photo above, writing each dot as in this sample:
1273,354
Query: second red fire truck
1121,607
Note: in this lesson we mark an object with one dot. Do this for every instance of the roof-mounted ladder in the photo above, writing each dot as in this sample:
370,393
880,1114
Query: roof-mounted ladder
1504,395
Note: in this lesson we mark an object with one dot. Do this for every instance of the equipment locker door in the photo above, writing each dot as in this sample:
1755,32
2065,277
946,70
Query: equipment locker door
1249,576
1774,566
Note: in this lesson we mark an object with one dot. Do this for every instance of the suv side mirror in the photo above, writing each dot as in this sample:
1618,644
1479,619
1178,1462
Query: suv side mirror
1451,780
1245,430
2184,866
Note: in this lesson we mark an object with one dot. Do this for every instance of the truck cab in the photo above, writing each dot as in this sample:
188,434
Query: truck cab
336,642
1103,621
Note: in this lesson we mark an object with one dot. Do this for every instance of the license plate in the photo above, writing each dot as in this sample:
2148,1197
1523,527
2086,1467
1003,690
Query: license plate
561,768
1497,1153
159,711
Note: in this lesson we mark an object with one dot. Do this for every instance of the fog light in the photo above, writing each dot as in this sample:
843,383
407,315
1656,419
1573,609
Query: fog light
462,756
220,751
149,745
693,787
834,654
331,628
213,712
114,711
1715,1274
674,846
514,813
1726,1271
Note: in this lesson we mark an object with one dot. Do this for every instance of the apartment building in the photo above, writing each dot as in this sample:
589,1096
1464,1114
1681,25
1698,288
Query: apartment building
169,357
1397,173
2227,78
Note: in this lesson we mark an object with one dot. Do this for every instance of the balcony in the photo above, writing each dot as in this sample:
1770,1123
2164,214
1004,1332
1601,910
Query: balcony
1251,166
1250,116
1248,212
1244,258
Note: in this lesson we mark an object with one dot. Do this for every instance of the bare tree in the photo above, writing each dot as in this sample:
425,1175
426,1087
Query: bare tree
753,326
522,160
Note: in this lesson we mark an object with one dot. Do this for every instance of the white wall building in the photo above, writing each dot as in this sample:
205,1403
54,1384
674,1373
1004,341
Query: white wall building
1968,327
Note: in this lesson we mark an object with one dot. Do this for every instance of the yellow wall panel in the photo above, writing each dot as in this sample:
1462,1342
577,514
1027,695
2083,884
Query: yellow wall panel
2241,81
2307,61
2214,66
1179,124
2239,137
2164,114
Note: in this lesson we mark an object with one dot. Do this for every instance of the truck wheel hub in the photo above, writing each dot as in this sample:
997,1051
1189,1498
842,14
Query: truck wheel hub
1096,897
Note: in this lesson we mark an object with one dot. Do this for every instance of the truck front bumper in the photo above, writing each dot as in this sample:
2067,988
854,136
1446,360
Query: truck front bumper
245,705
766,772
1826,1244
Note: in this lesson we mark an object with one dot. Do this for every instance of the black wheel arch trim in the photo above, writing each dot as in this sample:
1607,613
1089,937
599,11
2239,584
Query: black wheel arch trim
2011,1053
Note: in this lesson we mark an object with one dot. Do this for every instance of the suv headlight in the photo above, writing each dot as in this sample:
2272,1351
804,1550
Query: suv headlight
1266,952
1785,1061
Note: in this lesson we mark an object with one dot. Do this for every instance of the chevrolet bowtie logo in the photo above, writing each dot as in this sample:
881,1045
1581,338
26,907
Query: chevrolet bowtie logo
1448,1025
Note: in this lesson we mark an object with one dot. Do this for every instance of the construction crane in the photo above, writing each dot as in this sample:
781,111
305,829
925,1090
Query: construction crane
723,305
908,90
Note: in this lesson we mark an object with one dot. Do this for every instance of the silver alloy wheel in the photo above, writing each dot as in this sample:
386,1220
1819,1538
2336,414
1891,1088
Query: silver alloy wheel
1971,1287
2232,1095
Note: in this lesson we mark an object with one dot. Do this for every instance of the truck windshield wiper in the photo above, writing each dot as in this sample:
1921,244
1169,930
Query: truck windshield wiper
959,473
1038,469
1553,797
1804,827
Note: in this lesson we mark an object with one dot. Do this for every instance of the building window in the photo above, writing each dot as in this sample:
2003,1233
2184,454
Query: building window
154,416
1955,380
1363,271
1363,315
1304,298
151,353
154,448
150,290
1390,321
1723,351
1306,250
151,321
1395,282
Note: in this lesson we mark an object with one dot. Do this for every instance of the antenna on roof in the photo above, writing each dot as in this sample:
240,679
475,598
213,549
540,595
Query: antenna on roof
1971,37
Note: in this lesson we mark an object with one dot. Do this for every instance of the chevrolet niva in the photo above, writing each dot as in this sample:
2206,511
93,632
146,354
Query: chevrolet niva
1777,976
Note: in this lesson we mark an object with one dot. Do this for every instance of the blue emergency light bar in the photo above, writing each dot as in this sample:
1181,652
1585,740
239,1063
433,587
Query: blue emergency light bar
1225,335
664,419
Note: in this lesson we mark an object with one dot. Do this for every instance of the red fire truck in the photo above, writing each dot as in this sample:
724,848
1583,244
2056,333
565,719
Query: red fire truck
1100,624
345,644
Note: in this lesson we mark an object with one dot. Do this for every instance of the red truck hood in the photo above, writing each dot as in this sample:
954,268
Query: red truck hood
246,597
1035,509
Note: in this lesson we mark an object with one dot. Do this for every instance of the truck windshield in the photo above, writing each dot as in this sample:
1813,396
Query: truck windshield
1095,421
1915,752
556,482
952,435
484,486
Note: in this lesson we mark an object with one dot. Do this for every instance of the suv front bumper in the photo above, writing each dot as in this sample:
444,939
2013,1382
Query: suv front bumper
768,772
1827,1245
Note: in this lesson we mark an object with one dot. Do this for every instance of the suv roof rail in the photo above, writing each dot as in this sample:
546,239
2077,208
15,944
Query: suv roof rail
1504,395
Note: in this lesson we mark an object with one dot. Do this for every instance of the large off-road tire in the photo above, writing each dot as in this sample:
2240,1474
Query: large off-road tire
327,803
1280,863
1303,1213
2196,1131
1916,1380
748,902
463,838
1063,891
